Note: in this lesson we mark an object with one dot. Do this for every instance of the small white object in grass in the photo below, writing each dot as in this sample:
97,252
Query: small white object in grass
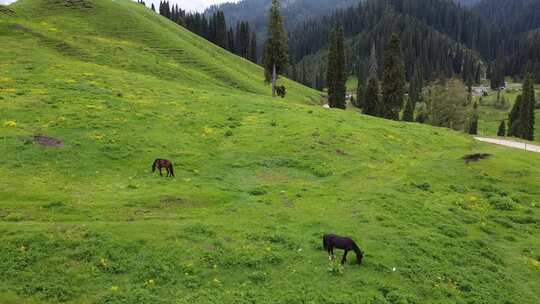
326,106
394,269
299,249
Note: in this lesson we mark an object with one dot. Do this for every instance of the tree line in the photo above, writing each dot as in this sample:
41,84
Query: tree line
240,39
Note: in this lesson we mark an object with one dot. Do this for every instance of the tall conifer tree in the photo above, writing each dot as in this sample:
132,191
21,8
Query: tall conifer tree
473,127
502,129
372,94
221,30
253,47
526,111
372,98
513,118
331,69
393,83
408,113
276,54
336,77
359,89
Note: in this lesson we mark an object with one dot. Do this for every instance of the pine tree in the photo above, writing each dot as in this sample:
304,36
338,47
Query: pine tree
527,108
341,80
359,91
373,65
331,70
372,98
230,38
276,57
320,80
497,73
421,116
221,30
513,118
408,113
416,85
473,127
502,129
393,83
253,48
304,80
336,69
153,7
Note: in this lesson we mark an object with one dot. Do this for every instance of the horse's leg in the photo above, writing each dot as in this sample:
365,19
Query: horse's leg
329,252
160,173
344,259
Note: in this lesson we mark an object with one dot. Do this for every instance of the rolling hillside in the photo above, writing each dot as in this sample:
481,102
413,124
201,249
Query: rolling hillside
92,91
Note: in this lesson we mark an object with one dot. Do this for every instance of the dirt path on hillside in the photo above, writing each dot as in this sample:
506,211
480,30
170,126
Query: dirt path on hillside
511,143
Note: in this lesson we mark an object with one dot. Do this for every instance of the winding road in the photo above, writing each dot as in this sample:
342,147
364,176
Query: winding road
510,143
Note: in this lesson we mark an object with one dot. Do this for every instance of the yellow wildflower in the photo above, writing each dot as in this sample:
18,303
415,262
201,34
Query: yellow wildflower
10,124
208,131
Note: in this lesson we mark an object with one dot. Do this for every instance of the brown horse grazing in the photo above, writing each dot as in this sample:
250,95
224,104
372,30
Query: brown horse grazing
163,163
331,241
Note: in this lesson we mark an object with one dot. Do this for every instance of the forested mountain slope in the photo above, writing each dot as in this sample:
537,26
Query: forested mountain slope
436,35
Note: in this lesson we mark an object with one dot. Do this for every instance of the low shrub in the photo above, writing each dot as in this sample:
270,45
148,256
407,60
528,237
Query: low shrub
502,203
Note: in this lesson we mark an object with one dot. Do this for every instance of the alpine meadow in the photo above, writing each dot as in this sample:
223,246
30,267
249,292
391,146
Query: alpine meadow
310,153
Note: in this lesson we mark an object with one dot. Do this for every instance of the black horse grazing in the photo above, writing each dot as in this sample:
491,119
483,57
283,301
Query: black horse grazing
331,241
163,163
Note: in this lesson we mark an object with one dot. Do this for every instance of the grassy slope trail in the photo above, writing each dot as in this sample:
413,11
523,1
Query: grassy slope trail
259,180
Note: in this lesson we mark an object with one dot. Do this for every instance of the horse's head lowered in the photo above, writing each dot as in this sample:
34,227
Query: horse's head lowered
359,256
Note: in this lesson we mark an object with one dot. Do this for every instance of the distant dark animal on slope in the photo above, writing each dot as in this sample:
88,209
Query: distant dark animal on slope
331,241
281,91
163,163
475,157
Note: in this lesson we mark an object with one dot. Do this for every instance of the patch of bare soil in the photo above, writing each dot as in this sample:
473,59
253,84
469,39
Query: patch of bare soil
171,200
47,141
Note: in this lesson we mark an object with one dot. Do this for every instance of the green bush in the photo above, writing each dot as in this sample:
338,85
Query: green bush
257,276
503,203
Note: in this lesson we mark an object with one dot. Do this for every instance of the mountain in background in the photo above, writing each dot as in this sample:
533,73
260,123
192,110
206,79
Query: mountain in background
294,11
439,32
438,36
467,3
514,17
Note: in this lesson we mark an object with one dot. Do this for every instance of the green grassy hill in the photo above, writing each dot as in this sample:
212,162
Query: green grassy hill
258,180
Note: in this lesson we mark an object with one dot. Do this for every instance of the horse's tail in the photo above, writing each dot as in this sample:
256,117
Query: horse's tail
154,166
172,170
